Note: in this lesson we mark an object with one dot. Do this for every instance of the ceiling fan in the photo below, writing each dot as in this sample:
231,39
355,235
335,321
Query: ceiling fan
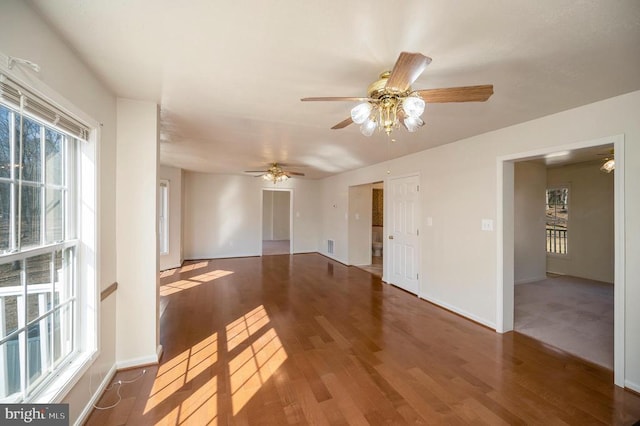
390,101
609,163
275,173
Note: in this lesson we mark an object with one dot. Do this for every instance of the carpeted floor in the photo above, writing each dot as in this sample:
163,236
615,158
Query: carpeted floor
572,314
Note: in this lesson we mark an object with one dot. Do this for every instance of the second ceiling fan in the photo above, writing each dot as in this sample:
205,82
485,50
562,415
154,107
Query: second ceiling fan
390,100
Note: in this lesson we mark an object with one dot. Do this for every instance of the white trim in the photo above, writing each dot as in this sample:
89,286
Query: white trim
530,280
505,307
628,383
138,362
164,228
88,409
619,267
458,311
64,381
173,266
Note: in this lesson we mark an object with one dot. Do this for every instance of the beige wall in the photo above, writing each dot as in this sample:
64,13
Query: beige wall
78,89
276,214
530,257
174,257
222,215
459,188
137,229
590,229
281,223
360,200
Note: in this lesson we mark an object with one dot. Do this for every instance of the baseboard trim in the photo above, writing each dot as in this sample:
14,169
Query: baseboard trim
632,386
175,266
159,351
139,362
96,396
332,258
530,280
459,312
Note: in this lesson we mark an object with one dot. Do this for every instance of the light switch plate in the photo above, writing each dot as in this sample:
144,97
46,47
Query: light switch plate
487,225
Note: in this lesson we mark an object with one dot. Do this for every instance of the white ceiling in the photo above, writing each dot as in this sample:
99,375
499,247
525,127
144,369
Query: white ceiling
229,75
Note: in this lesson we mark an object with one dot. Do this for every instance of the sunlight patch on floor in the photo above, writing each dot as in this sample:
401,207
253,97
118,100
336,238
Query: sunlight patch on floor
245,326
191,267
182,369
253,367
178,286
258,355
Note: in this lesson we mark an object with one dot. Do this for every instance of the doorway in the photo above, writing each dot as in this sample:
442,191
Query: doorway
366,227
403,243
506,242
277,226
564,255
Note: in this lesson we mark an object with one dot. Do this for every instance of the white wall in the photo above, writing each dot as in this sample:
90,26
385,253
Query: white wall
174,257
459,189
281,215
267,215
66,74
276,215
222,216
360,200
137,225
590,228
530,256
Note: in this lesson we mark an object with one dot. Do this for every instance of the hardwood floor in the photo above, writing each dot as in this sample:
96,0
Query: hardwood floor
294,340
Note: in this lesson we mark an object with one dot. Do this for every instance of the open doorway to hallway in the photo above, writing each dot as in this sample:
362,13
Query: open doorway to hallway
276,221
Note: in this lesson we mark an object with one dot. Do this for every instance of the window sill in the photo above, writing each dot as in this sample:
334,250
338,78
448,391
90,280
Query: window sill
60,384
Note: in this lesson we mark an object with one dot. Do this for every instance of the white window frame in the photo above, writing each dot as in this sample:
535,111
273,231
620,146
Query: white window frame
84,218
566,242
163,217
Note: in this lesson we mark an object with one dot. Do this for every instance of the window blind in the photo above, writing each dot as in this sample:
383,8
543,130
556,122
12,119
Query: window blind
15,94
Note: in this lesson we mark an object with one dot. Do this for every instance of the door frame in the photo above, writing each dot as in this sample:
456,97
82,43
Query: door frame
290,191
387,261
505,242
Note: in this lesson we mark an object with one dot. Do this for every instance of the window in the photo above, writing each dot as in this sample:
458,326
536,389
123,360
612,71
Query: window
163,217
557,207
39,242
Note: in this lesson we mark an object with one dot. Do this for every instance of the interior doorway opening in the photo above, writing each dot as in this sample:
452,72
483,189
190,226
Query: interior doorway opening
277,226
564,252
366,227
507,238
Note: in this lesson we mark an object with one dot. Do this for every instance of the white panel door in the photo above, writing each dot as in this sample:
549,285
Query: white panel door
403,232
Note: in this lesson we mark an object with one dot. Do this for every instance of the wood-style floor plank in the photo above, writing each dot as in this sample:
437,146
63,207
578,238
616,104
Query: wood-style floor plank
304,340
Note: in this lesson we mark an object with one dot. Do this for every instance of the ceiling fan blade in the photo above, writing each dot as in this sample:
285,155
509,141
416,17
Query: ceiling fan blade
343,124
255,171
338,98
406,70
457,94
294,173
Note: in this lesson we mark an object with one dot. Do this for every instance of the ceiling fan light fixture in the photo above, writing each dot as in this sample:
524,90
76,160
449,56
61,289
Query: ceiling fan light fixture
361,112
608,166
413,106
413,123
368,127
